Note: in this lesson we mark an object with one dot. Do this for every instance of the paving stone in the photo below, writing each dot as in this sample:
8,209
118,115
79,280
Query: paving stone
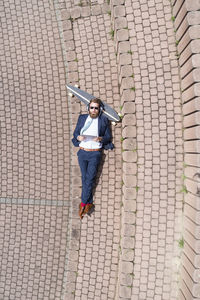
68,35
128,119
192,5
127,83
126,279
192,33
128,107
129,131
69,45
192,48
65,14
176,7
96,10
124,47
120,23
128,95
193,18
119,11
126,71
129,168
127,267
193,91
85,11
122,35
118,2
67,25
125,292
105,8
75,12
190,64
130,205
129,193
194,76
129,156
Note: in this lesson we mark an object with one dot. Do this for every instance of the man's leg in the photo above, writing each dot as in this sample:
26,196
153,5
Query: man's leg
83,164
83,167
88,162
93,159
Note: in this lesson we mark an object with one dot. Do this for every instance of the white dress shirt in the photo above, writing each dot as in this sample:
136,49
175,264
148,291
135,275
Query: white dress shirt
90,133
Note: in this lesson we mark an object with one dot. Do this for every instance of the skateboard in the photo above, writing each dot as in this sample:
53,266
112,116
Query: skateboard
84,97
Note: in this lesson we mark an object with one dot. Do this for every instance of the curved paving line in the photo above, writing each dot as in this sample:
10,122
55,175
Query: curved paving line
69,232
159,149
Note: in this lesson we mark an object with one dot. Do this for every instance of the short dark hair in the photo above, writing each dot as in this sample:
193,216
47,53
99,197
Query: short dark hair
96,100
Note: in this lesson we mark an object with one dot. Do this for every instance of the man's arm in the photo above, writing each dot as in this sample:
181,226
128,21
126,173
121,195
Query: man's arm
77,129
76,135
105,132
107,137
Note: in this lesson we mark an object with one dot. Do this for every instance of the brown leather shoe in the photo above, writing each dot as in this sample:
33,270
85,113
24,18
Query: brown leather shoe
88,208
81,211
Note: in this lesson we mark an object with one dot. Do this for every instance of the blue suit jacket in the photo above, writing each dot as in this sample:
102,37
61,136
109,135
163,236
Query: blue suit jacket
103,131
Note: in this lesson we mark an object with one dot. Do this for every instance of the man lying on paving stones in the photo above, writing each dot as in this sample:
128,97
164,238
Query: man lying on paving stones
92,133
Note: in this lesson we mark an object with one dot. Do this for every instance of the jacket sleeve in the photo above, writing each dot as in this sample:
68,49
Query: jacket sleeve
77,133
107,136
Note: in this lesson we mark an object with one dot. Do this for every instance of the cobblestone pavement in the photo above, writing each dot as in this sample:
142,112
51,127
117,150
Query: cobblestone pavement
99,234
46,251
160,151
34,194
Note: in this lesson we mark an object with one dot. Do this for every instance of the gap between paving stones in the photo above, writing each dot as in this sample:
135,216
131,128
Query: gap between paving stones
42,202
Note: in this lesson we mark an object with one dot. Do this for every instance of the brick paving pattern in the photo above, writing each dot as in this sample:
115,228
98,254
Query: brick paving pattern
34,194
159,148
99,234
46,251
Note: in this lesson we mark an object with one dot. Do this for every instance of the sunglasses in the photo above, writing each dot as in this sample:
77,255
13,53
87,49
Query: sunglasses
94,107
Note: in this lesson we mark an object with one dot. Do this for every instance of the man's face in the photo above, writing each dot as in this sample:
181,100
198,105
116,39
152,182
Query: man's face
94,110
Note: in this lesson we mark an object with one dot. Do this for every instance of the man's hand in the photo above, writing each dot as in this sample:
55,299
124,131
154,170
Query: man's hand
80,138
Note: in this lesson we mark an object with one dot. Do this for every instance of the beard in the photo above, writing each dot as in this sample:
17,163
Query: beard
94,115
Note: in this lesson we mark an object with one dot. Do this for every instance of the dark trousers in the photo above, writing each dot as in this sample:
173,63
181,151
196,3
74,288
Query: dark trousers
88,162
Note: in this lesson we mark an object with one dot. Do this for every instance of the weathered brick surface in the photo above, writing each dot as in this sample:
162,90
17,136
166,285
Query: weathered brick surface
192,48
192,120
192,200
187,21
191,78
191,106
192,62
136,69
96,71
191,34
192,5
149,48
181,20
35,165
176,7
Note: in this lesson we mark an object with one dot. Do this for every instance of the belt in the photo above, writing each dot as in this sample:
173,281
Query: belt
85,149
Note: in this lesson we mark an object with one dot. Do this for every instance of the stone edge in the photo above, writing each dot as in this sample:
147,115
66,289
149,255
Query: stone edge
129,152
186,16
